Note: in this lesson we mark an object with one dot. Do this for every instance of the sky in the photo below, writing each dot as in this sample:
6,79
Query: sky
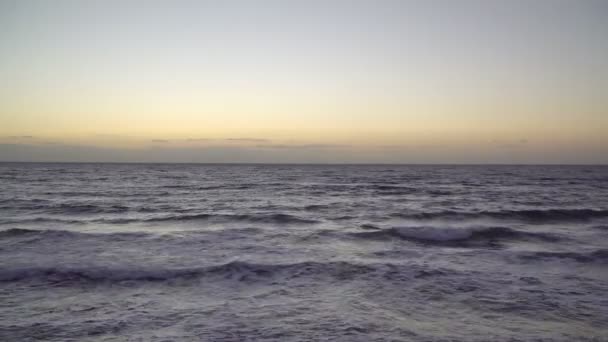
332,81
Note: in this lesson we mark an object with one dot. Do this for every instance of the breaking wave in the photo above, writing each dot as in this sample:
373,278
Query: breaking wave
220,218
532,216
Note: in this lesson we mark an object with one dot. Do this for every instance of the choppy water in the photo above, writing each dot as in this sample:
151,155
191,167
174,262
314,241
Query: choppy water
102,252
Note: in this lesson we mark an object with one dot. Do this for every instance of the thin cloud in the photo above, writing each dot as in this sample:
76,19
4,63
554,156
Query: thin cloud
198,139
21,137
302,146
412,147
161,141
254,140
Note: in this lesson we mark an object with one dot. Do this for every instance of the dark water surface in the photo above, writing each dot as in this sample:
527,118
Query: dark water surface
118,252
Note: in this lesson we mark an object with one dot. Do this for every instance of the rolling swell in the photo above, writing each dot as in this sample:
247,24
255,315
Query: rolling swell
531,216
456,236
237,270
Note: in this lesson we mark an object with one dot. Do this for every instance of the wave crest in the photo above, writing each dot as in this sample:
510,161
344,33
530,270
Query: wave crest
457,235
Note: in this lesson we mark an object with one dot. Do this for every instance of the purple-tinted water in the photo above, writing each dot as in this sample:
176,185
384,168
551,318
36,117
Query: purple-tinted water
118,252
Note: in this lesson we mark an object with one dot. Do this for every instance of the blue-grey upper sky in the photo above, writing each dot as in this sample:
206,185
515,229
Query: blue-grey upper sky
432,81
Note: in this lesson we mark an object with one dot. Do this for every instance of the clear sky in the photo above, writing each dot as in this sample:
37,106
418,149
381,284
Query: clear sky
304,81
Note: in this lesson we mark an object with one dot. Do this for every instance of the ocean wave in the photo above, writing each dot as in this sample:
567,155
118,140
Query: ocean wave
80,209
384,189
236,270
18,232
42,220
175,238
532,216
193,187
457,235
369,226
70,208
317,207
596,256
219,218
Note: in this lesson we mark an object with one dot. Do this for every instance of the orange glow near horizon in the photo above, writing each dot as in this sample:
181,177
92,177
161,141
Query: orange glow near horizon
370,83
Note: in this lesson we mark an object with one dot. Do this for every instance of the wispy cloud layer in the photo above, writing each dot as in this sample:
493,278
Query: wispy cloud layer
301,153
21,137
198,139
301,146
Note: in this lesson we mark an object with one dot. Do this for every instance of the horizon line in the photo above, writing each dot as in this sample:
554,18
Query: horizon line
302,163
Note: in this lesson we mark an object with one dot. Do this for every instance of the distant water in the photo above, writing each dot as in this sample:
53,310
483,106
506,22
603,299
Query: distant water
116,252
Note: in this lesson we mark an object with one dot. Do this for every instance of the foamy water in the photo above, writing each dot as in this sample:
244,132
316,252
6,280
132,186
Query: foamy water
116,252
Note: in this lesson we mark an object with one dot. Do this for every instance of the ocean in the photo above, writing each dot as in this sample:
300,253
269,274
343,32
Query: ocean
177,252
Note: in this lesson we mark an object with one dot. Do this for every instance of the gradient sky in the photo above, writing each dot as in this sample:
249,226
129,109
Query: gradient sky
304,81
